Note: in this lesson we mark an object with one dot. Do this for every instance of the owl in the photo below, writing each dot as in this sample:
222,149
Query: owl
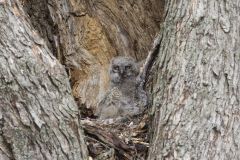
123,72
122,98
115,105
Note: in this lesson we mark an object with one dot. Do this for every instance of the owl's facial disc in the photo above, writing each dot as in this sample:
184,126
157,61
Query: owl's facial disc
123,68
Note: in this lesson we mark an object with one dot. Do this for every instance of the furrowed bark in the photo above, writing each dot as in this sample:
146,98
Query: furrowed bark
38,116
196,82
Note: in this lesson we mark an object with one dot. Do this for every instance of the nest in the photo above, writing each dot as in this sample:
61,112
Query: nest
117,140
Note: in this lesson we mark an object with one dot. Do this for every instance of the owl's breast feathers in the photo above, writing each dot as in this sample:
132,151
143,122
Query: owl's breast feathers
114,95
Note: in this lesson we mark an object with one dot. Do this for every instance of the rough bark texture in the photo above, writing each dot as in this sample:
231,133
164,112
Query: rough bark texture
38,115
86,34
196,82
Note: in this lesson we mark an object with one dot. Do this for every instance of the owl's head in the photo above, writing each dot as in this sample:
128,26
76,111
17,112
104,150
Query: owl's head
123,68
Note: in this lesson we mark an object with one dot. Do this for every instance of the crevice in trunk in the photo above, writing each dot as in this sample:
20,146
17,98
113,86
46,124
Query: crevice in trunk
42,22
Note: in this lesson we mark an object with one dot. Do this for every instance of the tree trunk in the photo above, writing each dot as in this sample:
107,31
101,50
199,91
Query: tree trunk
38,116
196,82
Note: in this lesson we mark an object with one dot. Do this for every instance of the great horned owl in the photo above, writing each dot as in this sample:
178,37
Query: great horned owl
123,96
123,73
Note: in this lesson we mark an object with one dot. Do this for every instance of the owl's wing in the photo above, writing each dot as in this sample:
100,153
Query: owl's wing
101,103
112,97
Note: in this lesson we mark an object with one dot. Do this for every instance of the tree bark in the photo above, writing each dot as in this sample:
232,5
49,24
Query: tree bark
196,82
38,116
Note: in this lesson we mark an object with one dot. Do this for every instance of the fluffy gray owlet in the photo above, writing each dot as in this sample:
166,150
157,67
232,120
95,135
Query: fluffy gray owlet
121,98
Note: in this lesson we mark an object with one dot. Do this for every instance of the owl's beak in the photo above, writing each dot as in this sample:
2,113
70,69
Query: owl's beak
121,71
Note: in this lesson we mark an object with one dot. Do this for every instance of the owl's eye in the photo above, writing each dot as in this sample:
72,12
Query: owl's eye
128,67
116,68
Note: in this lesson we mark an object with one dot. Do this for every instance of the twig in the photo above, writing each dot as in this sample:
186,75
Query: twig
149,61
